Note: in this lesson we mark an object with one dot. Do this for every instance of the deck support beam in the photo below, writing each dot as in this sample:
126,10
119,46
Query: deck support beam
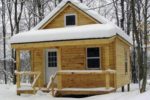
128,86
122,88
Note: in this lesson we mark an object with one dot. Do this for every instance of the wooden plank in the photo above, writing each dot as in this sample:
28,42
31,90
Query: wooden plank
63,43
86,71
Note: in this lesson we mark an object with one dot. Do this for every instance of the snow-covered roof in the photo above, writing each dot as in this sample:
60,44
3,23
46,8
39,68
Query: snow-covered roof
93,31
81,6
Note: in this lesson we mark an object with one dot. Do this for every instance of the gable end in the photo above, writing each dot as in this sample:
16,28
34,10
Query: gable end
63,9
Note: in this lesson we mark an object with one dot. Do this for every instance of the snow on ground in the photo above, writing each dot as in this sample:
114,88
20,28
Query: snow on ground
8,92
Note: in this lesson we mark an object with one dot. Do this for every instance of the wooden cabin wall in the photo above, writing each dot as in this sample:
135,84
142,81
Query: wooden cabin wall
38,64
74,58
121,47
58,22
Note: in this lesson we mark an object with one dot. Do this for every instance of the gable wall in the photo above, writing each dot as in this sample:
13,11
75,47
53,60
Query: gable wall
58,21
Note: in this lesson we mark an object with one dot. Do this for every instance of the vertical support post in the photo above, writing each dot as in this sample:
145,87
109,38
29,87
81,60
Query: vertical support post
128,86
122,88
59,77
18,67
53,94
107,80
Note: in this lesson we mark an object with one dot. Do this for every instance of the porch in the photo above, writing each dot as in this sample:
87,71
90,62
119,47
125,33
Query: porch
55,84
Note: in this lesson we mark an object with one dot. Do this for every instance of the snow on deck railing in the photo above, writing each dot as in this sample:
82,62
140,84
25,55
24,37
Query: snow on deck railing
86,71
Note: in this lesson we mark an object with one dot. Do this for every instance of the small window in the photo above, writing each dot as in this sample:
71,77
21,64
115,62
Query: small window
126,62
52,59
70,20
93,58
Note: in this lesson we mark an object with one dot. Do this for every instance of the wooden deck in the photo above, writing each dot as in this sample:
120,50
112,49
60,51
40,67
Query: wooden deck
69,91
53,88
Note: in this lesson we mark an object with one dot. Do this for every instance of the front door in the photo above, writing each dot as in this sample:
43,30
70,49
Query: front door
51,64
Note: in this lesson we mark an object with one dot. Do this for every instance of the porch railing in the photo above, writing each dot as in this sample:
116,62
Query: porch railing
107,73
34,75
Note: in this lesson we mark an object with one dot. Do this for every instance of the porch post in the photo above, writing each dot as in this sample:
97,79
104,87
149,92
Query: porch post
18,67
107,80
59,77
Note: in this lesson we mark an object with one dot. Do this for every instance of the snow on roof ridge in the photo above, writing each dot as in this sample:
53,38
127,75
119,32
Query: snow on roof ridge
81,6
93,31
70,0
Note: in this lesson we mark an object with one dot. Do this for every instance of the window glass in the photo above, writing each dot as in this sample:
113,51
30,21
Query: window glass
70,20
52,59
93,58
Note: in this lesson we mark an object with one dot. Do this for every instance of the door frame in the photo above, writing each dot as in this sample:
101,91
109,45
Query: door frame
46,60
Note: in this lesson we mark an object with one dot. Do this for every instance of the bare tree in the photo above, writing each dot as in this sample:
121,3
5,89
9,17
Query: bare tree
4,37
140,36
17,17
122,14
115,3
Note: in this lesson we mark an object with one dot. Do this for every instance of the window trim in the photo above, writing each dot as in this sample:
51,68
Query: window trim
51,50
70,15
93,58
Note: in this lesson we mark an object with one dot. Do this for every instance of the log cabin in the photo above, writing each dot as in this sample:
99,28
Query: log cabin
74,51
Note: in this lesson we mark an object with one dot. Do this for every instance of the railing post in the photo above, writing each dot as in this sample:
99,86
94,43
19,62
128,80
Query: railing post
107,80
18,80
53,86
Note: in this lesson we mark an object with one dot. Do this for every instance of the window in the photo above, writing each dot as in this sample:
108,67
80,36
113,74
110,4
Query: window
52,58
93,58
70,20
126,62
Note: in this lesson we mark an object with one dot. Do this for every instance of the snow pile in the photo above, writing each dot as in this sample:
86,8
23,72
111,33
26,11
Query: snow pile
143,96
8,92
81,6
94,31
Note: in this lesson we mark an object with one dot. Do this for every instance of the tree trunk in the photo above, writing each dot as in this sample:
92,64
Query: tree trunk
116,11
4,39
143,88
122,13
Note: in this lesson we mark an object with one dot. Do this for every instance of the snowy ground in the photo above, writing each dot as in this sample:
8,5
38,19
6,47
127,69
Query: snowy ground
8,92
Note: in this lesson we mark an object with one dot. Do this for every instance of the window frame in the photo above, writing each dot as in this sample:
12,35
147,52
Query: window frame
99,68
51,50
70,15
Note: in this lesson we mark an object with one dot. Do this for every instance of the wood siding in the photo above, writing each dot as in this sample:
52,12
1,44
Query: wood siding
74,58
38,61
121,47
58,21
